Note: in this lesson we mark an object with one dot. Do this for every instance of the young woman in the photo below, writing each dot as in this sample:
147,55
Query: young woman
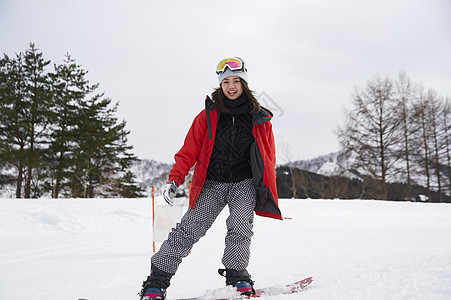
231,144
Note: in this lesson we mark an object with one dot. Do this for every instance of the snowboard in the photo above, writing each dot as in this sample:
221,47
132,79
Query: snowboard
270,291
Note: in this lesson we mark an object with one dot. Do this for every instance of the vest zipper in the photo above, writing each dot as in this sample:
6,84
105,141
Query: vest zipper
232,139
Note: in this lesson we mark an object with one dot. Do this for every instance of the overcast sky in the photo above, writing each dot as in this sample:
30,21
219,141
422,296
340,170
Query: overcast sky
158,58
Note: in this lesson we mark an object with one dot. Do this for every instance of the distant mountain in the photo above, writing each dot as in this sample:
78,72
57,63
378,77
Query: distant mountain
150,173
335,163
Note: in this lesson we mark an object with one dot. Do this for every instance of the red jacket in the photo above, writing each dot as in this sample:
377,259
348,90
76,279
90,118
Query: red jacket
198,147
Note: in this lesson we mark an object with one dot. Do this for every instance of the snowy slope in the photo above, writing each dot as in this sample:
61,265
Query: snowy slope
99,249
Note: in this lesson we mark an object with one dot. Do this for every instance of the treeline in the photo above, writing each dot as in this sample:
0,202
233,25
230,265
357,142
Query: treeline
302,184
58,135
399,131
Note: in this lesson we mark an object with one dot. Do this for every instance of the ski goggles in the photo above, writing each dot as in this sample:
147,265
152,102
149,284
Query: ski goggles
234,64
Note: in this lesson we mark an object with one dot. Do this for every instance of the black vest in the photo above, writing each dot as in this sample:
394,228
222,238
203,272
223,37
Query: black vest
230,159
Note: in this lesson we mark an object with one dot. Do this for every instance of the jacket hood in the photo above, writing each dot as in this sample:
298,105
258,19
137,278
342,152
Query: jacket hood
261,116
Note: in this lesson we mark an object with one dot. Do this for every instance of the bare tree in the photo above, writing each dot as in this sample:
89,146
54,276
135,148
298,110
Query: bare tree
287,157
405,96
423,160
371,130
399,131
434,125
445,120
437,134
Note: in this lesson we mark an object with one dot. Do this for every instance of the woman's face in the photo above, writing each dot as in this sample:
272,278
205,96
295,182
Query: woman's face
232,87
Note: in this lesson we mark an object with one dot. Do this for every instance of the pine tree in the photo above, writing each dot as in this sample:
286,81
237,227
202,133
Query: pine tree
58,133
102,153
38,101
126,187
13,123
6,117
70,87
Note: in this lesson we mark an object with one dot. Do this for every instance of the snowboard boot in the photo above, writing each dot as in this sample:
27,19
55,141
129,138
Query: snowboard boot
241,280
154,287
154,293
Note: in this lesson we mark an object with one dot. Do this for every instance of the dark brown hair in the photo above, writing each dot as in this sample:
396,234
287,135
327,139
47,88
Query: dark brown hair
219,96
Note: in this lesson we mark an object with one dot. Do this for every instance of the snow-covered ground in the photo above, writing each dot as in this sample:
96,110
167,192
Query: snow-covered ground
99,249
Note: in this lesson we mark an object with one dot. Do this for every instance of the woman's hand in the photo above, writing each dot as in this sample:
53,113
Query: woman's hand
169,192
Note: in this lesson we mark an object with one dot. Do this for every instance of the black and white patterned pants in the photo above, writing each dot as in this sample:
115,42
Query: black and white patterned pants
214,196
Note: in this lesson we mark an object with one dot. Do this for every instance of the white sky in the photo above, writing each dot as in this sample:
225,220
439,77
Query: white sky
158,58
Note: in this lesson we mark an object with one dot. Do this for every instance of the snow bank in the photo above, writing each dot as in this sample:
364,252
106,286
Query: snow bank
100,249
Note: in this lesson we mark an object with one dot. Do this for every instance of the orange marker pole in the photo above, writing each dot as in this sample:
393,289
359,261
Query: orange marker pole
153,219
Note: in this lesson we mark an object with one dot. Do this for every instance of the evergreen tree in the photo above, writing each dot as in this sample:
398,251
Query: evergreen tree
6,116
38,102
70,87
126,187
101,153
14,134
56,134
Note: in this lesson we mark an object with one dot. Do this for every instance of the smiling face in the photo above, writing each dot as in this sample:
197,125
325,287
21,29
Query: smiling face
232,87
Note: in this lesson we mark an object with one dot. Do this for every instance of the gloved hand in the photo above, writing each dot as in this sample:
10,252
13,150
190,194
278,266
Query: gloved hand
169,192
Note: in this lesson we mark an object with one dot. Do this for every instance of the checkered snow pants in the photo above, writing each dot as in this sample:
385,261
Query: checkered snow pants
214,196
